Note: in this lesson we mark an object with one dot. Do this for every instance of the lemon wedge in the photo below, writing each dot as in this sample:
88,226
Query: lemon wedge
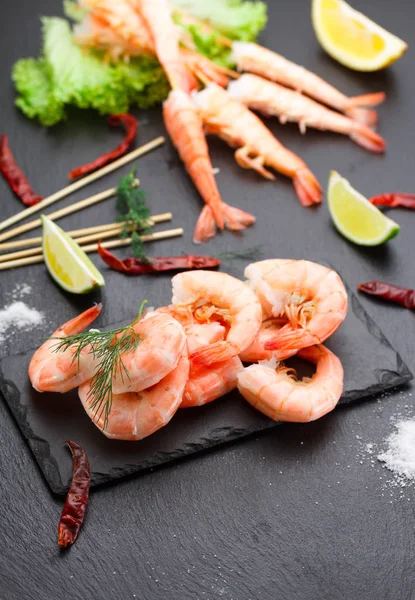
352,39
66,262
355,217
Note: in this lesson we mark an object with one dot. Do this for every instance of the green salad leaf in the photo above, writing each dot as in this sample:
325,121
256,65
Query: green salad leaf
67,74
236,19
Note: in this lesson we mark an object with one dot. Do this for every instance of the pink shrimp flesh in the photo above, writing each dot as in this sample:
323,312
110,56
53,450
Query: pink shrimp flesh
279,395
257,350
241,128
261,61
273,99
311,297
136,415
51,371
211,296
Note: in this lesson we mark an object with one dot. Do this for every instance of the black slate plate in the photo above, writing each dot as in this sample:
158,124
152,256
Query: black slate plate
371,365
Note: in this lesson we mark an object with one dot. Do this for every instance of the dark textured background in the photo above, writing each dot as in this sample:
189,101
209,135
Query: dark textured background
299,513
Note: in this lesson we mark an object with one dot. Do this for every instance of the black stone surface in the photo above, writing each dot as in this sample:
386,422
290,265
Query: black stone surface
370,363
297,513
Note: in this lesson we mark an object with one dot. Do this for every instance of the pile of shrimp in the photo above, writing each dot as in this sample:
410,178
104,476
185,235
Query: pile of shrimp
270,84
193,351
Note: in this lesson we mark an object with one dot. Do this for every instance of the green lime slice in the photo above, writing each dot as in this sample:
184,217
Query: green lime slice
355,217
66,262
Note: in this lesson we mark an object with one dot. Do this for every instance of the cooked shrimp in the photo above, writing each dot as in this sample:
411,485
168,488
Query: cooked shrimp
272,99
186,132
114,25
256,351
208,383
162,343
280,396
51,371
239,127
311,297
256,59
166,36
136,415
219,297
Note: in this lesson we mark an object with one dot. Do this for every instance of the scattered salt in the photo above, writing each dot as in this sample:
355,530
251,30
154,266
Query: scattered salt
400,455
18,315
21,289
216,170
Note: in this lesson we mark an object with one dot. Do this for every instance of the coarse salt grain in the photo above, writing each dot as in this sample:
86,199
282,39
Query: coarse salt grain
18,315
400,454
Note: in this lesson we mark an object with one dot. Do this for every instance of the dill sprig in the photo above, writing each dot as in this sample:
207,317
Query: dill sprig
131,204
108,347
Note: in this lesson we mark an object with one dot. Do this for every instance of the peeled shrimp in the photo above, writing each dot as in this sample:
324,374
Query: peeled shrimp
272,99
241,128
219,297
133,415
256,59
208,383
162,343
186,132
51,371
166,37
280,396
311,297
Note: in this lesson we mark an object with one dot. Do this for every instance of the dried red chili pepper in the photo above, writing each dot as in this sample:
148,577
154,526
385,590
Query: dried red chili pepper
14,176
134,266
394,200
77,499
389,292
130,123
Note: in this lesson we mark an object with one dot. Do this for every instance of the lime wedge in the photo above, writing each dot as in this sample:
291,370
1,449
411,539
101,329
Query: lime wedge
66,262
355,217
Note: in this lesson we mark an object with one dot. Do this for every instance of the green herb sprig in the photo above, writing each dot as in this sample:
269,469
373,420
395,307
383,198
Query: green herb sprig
108,347
131,204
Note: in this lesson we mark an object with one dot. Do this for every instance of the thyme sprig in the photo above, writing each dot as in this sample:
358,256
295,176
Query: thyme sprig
108,347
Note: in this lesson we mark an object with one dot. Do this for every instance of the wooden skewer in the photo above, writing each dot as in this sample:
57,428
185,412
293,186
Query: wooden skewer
82,182
62,212
98,235
32,260
75,233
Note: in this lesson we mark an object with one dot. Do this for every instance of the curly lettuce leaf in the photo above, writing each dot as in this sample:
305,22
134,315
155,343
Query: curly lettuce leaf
69,75
236,19
73,10
36,99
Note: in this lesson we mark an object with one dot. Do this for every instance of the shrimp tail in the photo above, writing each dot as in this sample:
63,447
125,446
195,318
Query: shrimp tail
214,353
205,228
355,108
81,322
289,339
365,137
237,219
307,187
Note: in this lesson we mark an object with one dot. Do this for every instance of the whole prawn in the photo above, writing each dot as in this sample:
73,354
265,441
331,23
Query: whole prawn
261,61
241,128
275,391
310,297
186,132
272,99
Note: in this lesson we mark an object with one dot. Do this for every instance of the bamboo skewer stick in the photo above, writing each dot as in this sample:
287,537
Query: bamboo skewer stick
32,260
62,212
82,182
75,233
98,235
